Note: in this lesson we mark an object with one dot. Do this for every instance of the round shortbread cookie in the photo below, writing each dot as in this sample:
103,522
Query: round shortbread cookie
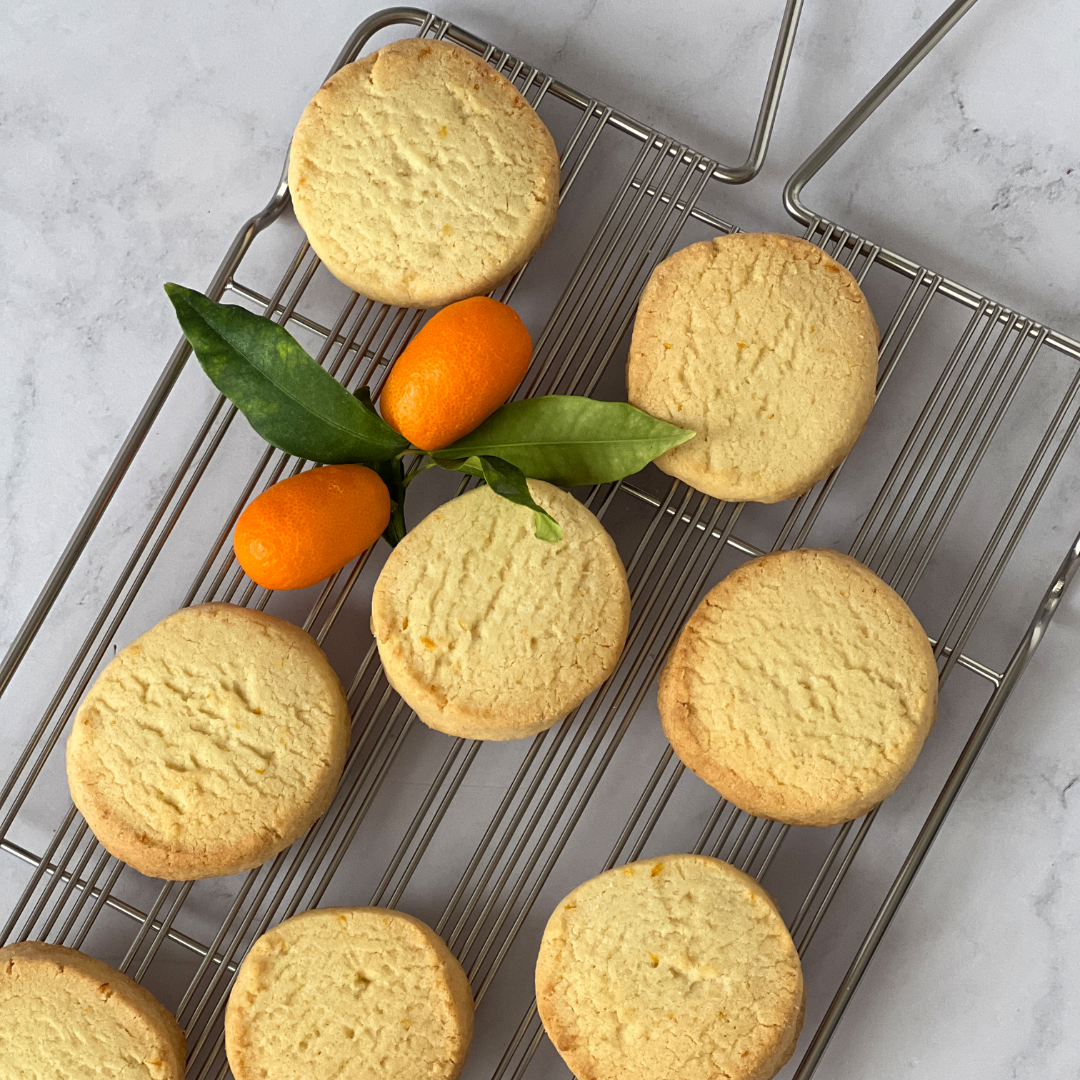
421,176
490,633
64,1014
209,744
802,688
676,968
767,348
349,993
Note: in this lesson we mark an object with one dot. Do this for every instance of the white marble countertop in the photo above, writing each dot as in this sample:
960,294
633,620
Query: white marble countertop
135,137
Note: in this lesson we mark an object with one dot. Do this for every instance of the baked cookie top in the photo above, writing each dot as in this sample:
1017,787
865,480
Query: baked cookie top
421,176
675,968
490,633
64,1014
802,688
766,347
209,744
349,993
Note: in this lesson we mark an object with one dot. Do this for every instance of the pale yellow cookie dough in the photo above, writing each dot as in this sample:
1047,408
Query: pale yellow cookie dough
802,688
490,633
66,1016
349,994
209,744
765,347
421,176
675,968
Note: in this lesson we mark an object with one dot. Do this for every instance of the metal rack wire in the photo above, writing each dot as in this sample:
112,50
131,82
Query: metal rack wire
477,838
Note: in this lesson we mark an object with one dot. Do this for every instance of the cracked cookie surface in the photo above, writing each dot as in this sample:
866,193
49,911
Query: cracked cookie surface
421,176
209,744
349,994
766,347
802,688
488,632
673,968
64,1014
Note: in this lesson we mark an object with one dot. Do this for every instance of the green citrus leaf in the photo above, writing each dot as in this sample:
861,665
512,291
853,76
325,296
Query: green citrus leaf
570,441
393,476
287,398
509,481
363,395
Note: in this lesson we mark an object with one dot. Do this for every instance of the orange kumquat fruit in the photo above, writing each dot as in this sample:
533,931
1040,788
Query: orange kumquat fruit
309,526
464,363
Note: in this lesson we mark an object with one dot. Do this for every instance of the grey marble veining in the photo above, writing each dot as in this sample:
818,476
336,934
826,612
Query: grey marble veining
135,137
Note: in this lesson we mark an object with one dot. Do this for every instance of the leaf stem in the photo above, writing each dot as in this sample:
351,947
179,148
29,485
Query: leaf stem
414,472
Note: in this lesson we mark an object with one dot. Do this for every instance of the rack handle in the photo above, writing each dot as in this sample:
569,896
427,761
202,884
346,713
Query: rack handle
858,116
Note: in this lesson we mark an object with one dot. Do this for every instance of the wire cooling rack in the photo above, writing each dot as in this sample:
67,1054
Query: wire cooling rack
957,473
